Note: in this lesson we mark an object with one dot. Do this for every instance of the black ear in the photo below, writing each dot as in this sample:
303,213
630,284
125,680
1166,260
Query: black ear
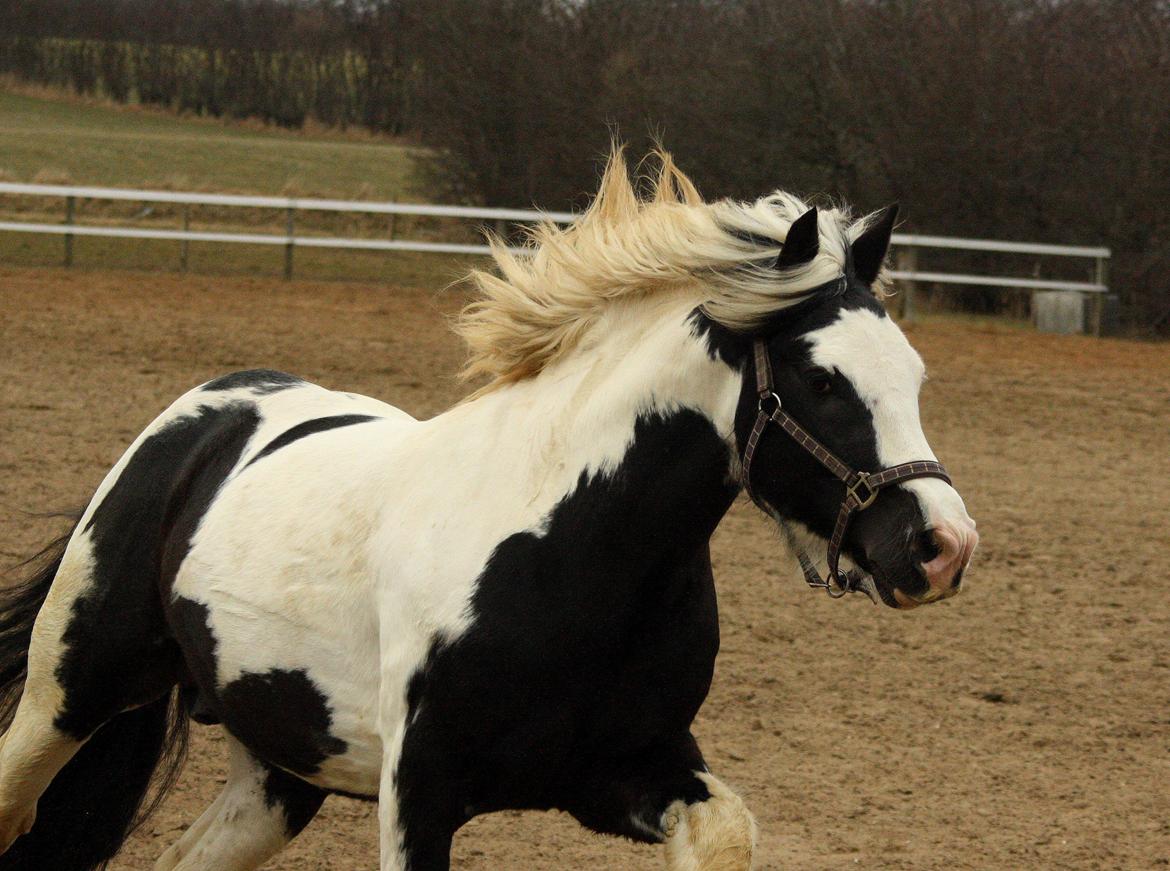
869,249
802,242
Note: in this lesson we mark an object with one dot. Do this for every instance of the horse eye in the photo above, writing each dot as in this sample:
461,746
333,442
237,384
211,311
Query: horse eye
820,381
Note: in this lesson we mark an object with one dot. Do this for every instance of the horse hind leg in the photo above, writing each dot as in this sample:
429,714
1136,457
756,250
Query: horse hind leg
93,718
34,752
260,810
33,749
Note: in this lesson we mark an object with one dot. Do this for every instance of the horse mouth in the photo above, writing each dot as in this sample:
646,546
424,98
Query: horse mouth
887,592
895,597
898,598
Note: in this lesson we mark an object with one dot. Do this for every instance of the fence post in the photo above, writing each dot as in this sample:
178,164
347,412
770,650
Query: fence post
906,260
183,244
288,246
1097,307
69,202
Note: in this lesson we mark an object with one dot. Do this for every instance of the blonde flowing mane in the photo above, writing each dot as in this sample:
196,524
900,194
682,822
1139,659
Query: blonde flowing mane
543,302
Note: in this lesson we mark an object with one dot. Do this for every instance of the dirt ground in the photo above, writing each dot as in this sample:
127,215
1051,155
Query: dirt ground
1024,724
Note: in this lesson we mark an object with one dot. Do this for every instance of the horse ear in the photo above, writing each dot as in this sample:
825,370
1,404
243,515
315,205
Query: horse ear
802,242
869,249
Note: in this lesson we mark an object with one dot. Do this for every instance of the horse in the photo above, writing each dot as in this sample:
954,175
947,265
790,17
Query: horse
507,606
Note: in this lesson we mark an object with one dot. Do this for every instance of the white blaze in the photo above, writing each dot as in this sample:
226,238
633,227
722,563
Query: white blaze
887,373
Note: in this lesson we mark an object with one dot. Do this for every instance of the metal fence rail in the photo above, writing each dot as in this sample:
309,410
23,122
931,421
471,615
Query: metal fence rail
290,240
906,245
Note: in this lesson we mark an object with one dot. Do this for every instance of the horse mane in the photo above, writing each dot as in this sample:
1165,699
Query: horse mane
545,300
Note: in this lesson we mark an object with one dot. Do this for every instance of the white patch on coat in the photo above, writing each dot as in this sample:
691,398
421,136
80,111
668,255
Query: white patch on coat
349,552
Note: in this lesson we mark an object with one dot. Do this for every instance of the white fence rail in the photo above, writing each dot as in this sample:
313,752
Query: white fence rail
906,246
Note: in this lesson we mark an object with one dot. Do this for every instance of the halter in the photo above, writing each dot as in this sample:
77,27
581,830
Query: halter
861,488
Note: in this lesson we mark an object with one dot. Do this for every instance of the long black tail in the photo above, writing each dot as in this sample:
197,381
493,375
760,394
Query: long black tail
19,605
97,800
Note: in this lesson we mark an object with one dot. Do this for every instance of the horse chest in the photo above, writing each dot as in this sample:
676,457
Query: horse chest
560,672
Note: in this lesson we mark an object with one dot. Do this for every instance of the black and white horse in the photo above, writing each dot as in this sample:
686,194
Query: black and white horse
507,606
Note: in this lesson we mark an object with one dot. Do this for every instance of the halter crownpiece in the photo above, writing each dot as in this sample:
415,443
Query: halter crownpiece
861,488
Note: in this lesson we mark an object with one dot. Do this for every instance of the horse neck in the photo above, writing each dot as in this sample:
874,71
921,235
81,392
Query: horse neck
643,401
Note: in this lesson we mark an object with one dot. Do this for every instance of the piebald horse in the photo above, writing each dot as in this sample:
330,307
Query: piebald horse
509,605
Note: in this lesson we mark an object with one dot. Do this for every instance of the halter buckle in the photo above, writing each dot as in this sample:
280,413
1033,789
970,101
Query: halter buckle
764,398
851,490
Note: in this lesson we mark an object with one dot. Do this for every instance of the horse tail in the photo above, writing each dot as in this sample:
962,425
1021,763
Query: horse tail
105,791
19,606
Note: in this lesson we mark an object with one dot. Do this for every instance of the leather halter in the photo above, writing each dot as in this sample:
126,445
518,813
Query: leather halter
861,488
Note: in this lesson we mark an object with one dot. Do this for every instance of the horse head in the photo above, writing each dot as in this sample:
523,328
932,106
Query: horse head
839,376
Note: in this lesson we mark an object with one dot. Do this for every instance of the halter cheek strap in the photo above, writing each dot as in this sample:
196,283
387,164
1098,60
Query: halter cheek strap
861,488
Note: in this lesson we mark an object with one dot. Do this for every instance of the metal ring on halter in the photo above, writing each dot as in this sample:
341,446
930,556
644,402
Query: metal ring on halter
771,395
843,587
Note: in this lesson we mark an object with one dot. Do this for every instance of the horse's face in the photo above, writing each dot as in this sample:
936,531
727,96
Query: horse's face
846,373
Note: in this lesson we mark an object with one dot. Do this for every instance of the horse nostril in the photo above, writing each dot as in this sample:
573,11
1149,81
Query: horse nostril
957,579
926,546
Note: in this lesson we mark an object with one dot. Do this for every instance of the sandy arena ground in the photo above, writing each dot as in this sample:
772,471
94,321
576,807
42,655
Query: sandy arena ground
1025,724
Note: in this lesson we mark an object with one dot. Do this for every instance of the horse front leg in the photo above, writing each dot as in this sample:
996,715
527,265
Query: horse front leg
717,833
666,795
415,833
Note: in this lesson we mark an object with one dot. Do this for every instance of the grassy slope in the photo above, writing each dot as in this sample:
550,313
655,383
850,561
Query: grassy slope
59,140
126,147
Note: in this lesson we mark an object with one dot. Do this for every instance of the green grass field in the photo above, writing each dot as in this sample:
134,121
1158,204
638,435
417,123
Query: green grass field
68,141
60,140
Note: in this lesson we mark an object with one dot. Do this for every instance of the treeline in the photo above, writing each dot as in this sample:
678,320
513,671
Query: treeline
282,87
280,61
1043,120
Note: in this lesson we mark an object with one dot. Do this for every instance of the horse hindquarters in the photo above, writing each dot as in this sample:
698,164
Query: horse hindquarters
101,660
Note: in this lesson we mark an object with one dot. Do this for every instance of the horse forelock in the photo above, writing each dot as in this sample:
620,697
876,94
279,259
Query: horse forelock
538,306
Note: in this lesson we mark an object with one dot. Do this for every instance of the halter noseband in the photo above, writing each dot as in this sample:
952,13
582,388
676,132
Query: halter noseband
861,488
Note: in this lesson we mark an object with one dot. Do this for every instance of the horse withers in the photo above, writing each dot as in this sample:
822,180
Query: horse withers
510,605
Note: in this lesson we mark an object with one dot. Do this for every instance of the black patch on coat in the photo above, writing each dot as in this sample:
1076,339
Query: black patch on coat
787,476
630,801
202,473
259,381
282,717
307,428
592,649
100,795
118,650
279,715
816,309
